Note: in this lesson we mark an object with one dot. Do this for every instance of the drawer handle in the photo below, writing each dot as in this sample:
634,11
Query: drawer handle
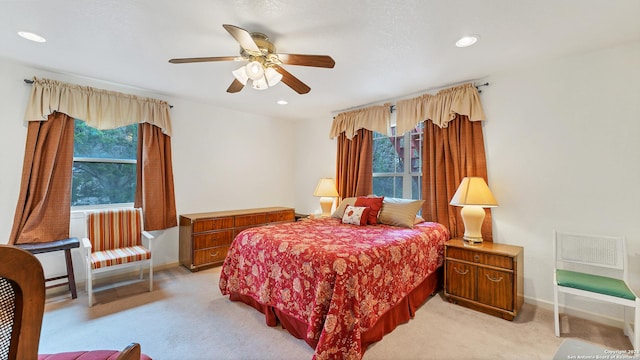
214,254
493,279
476,257
461,272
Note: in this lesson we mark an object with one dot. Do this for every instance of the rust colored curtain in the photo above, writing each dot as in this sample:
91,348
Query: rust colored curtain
42,213
154,185
450,154
355,164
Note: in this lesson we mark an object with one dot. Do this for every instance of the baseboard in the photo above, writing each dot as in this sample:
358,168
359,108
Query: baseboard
579,313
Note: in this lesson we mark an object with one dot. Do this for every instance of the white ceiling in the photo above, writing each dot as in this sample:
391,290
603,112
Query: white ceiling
383,49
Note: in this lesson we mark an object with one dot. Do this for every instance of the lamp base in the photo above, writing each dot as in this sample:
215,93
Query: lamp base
326,203
472,217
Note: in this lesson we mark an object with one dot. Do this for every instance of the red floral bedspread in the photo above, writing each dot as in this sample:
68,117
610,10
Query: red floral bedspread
337,278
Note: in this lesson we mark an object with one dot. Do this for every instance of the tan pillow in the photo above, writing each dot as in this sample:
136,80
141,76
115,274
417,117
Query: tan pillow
399,212
339,213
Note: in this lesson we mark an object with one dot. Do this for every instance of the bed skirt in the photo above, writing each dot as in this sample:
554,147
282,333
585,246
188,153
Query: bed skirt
401,313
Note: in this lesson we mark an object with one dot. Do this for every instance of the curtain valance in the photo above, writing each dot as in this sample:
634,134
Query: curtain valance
374,118
440,108
101,109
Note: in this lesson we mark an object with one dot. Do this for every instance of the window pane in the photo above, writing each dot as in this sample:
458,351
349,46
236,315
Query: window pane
383,185
416,187
385,158
103,183
120,143
390,186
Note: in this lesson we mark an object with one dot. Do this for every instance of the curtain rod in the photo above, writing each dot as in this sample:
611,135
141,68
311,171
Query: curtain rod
30,82
393,107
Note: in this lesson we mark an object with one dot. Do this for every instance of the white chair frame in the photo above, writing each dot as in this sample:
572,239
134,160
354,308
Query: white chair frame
591,261
142,264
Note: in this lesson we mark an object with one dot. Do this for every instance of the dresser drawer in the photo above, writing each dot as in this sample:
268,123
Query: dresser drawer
211,239
495,260
210,255
251,219
279,216
212,224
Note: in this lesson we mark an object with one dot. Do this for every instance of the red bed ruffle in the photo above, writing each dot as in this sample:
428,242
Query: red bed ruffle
401,313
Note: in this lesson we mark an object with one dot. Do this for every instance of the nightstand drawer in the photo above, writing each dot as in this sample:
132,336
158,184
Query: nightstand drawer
477,257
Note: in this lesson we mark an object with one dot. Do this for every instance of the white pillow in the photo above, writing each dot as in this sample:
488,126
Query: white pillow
399,212
355,215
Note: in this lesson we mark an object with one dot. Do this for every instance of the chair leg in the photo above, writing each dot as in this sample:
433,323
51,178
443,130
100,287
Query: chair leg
636,326
556,314
89,285
150,276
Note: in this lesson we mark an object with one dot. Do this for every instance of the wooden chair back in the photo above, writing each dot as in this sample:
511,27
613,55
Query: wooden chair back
22,296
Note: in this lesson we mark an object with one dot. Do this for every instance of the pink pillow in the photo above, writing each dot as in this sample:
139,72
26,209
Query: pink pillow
373,202
356,215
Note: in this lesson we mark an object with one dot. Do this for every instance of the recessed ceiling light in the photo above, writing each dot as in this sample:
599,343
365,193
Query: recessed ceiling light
282,102
467,40
31,36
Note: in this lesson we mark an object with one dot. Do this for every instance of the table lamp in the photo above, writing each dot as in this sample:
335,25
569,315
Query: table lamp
326,190
473,195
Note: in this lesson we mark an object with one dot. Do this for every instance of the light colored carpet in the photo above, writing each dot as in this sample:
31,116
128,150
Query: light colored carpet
186,317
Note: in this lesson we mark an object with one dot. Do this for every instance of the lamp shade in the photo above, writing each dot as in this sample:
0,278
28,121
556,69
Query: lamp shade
241,75
473,191
326,187
273,77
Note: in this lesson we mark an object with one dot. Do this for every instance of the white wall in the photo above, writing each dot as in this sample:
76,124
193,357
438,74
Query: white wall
563,153
315,158
222,160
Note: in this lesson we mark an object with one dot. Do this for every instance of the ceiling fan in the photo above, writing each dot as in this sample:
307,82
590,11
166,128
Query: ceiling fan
263,63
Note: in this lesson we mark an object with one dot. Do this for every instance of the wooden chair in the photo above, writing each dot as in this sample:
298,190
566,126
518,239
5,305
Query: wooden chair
595,267
113,242
22,295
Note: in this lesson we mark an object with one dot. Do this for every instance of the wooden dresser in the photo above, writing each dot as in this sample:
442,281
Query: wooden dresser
487,277
205,237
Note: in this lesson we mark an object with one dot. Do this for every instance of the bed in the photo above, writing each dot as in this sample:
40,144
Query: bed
340,287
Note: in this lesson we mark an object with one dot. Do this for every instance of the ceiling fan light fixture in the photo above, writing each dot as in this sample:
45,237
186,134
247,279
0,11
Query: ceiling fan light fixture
260,84
255,70
273,77
241,75
467,40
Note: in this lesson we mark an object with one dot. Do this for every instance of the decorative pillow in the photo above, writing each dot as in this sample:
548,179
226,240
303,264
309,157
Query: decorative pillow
343,205
399,212
419,219
373,202
356,215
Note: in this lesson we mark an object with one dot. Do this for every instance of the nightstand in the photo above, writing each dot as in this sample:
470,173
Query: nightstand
486,277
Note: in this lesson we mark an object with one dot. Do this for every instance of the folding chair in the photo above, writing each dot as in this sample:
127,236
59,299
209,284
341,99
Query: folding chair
595,267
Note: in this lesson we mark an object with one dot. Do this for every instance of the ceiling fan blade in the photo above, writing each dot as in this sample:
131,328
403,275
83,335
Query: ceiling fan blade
324,61
206,59
236,86
243,37
292,81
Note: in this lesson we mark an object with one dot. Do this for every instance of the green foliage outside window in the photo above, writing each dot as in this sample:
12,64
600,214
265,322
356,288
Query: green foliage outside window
104,167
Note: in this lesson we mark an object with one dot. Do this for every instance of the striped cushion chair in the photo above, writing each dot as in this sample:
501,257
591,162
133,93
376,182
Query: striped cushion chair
114,241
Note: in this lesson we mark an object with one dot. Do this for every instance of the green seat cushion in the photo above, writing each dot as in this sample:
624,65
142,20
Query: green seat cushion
594,283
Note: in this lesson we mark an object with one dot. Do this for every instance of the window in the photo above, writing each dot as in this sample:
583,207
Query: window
104,165
397,164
